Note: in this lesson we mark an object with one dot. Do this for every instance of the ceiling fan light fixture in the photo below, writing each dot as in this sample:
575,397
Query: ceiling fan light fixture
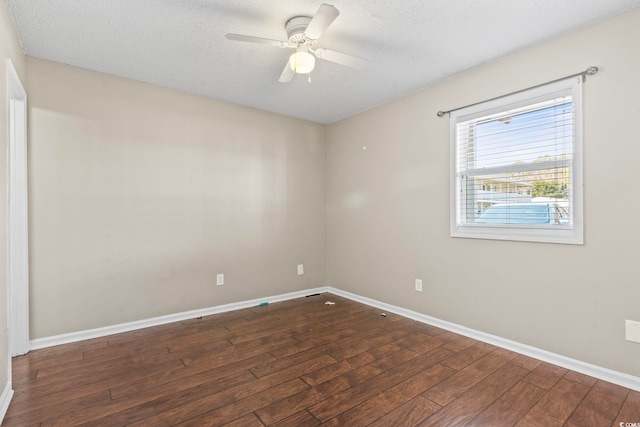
302,62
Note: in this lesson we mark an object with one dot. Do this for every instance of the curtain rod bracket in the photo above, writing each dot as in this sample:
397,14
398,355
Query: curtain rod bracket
588,72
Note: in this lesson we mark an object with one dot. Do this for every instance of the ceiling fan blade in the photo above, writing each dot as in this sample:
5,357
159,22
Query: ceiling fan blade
325,15
259,40
341,58
287,74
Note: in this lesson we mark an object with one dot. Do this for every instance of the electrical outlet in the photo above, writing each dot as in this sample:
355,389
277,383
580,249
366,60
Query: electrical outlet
300,269
220,280
632,330
418,285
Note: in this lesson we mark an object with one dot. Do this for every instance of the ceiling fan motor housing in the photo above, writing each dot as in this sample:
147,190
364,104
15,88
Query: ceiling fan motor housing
295,28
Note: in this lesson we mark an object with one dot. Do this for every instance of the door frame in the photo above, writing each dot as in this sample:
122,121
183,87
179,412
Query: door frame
17,219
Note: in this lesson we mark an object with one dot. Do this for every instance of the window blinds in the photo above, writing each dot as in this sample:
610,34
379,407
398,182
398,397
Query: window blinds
514,166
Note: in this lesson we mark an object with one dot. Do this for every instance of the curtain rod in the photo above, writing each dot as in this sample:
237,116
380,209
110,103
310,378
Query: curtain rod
588,72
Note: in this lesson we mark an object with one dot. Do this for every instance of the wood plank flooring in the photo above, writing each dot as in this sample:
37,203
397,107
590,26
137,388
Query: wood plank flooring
304,363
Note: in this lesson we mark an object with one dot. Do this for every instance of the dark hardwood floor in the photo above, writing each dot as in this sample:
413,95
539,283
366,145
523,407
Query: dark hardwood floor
304,363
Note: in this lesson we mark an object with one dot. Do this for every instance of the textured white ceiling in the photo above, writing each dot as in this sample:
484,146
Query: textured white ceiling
180,44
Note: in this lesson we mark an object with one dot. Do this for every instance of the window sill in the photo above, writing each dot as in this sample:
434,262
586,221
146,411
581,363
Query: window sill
561,235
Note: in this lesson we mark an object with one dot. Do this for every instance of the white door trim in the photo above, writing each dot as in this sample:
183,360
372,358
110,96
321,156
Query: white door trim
17,219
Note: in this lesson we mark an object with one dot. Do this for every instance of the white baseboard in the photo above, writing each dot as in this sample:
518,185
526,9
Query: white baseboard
5,399
39,343
605,374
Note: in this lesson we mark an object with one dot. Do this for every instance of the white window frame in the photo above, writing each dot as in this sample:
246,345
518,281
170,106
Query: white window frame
548,234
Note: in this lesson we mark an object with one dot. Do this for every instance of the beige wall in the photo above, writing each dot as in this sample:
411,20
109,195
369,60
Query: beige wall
10,48
140,195
388,209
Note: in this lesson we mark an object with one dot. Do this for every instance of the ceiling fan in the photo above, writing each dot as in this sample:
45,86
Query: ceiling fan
303,33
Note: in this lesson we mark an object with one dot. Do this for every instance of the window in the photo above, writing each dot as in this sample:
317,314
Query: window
516,170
